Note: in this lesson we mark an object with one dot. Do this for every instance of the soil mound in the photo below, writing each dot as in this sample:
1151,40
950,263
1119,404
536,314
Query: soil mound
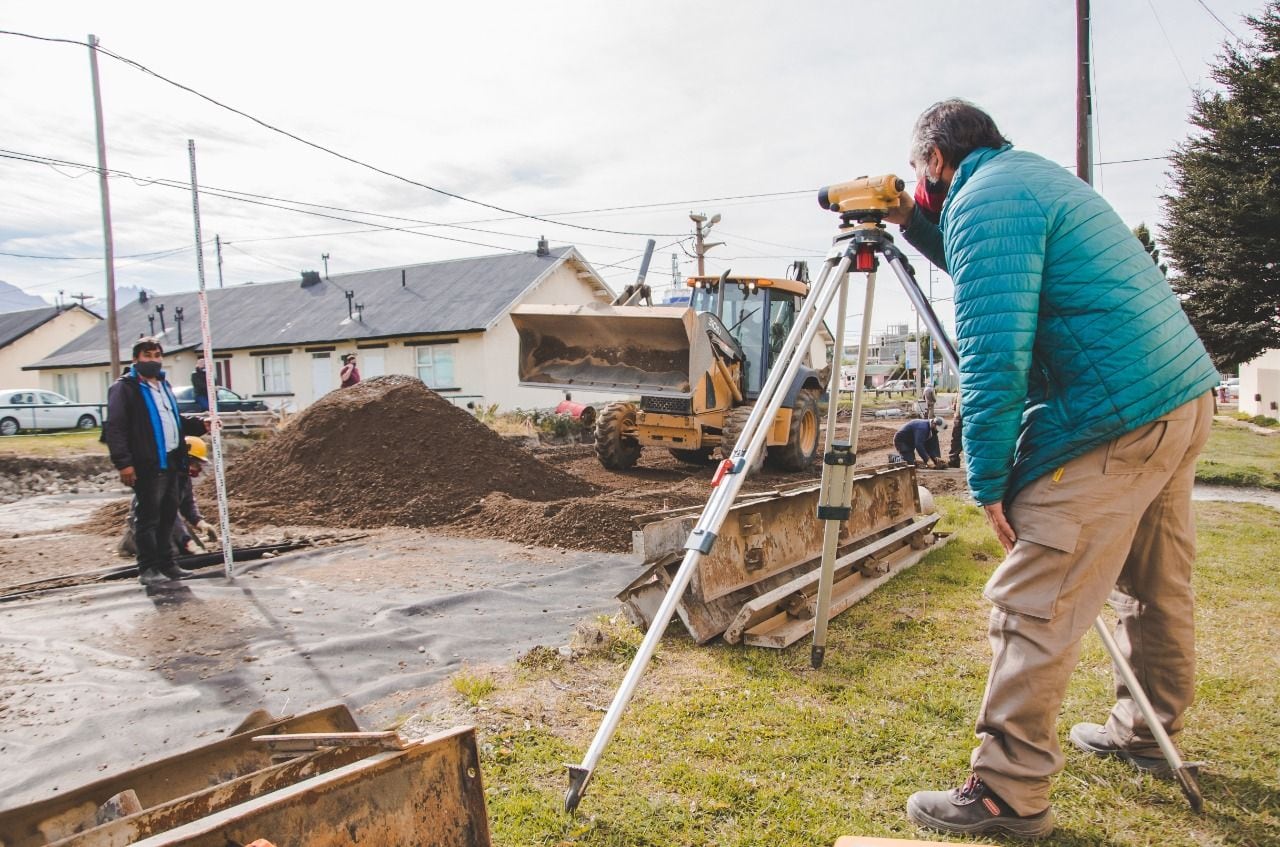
389,452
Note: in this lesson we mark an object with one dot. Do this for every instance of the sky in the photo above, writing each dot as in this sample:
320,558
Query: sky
568,111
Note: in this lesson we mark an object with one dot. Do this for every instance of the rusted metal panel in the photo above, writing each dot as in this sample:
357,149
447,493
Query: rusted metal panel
744,555
769,534
36,824
428,794
796,596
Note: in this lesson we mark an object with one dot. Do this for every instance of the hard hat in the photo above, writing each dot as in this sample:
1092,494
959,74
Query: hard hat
196,448
939,423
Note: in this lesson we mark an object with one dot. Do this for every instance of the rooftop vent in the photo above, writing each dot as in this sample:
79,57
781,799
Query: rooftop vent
310,278
143,296
543,249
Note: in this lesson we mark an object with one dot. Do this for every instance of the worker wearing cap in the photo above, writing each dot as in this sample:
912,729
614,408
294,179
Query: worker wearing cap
1086,401
920,438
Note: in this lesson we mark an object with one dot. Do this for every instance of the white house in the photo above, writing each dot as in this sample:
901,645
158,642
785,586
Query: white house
28,336
1260,385
444,322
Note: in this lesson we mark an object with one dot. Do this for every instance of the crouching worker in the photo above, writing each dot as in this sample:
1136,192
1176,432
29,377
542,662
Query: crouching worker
920,438
189,519
144,434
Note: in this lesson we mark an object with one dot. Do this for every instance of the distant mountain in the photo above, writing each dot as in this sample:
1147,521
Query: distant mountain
14,299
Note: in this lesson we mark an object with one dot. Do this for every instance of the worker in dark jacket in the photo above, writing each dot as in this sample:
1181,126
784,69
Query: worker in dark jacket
1086,401
144,434
920,438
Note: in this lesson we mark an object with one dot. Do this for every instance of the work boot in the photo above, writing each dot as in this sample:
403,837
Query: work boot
150,577
954,462
973,808
1094,738
173,571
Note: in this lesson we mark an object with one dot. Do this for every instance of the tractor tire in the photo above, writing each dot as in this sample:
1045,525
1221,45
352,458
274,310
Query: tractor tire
701,456
616,451
734,422
802,439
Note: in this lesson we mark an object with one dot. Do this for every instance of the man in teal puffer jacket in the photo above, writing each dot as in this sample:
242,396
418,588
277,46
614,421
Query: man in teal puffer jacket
1087,399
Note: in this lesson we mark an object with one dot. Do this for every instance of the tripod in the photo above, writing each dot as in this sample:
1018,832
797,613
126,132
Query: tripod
858,246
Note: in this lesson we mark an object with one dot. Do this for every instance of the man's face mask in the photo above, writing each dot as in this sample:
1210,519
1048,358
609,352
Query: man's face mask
148,369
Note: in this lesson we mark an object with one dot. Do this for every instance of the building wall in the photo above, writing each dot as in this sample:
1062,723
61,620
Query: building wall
484,363
37,344
1260,385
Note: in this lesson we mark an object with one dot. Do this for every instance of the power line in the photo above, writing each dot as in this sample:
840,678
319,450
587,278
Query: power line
1169,42
314,145
1214,15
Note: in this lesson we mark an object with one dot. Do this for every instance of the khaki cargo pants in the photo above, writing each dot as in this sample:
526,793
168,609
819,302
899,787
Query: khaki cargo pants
1114,523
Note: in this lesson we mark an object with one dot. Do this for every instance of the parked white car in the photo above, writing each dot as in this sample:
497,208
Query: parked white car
31,409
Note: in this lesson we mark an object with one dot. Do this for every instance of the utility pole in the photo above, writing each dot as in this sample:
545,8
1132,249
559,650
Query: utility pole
217,246
113,328
324,257
701,246
81,298
1084,96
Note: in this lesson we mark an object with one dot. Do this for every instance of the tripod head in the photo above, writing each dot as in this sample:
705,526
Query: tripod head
864,200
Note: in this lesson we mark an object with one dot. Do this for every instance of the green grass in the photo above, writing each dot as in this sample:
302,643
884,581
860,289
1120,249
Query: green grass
472,687
1238,456
54,443
728,745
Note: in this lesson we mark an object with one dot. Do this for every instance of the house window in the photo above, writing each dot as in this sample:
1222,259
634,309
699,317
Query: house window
222,372
68,385
435,366
273,375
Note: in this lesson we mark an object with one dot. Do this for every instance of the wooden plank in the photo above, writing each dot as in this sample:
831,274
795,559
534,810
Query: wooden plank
309,741
429,794
844,594
767,604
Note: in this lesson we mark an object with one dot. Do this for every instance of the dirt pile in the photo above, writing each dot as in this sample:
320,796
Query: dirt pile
388,452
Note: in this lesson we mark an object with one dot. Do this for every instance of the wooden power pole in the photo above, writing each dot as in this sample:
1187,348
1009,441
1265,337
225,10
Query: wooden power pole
1084,96
113,328
702,226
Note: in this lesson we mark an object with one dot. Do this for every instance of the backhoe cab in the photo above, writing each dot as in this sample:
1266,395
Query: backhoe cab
697,370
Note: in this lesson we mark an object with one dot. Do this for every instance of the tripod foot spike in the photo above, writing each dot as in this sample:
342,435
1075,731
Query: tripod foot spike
1190,787
578,777
816,655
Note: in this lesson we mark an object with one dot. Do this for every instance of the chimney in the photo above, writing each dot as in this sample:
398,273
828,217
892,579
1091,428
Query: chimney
310,278
142,296
543,249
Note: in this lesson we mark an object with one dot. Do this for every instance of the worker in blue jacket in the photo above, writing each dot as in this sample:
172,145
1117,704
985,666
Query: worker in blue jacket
144,435
1086,398
920,438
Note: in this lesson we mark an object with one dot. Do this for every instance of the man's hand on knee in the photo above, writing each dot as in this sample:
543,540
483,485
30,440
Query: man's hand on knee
1004,533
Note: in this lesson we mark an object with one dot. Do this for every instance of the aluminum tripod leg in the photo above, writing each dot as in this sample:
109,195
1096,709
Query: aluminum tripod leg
729,479
1186,779
837,482
837,472
1181,772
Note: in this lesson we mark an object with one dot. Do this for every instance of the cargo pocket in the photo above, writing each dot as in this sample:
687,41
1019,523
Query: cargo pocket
1030,579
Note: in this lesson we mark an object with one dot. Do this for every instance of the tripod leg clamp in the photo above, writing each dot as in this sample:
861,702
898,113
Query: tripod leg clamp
701,540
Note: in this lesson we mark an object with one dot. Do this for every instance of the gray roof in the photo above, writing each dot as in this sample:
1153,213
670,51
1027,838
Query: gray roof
14,325
458,295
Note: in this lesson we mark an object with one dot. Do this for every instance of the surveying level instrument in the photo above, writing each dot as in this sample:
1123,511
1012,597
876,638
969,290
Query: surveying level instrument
859,245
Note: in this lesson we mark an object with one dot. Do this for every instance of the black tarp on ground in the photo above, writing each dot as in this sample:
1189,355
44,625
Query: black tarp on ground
104,677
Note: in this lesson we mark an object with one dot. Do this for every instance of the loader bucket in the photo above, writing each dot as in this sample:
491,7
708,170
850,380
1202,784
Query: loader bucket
620,349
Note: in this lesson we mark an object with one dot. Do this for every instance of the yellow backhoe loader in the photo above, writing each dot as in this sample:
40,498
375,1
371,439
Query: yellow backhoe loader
696,370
